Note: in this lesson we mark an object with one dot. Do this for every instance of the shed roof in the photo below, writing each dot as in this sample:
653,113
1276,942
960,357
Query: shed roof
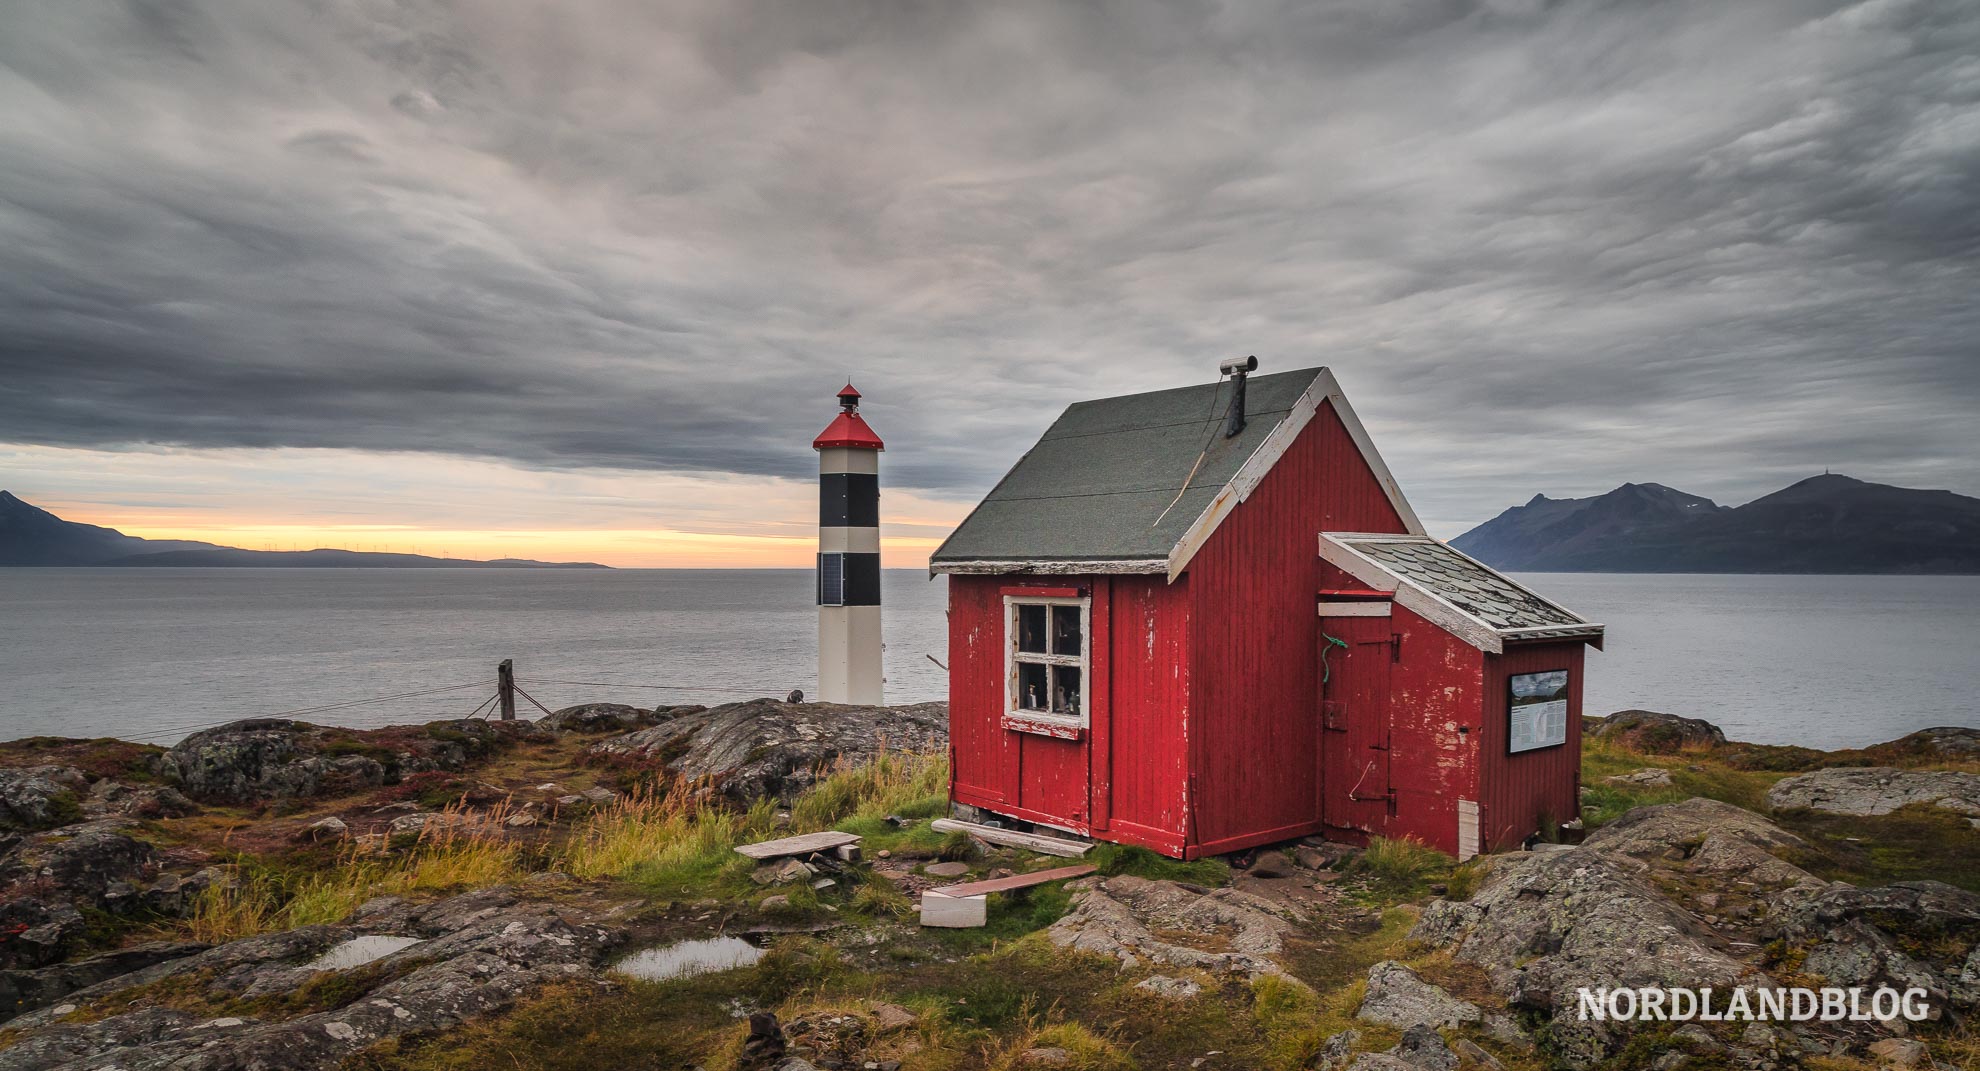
1479,604
1136,483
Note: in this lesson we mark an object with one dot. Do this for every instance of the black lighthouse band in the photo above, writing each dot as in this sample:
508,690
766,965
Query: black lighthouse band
848,500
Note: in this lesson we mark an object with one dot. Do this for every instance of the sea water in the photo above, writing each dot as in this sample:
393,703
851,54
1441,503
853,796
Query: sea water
1826,661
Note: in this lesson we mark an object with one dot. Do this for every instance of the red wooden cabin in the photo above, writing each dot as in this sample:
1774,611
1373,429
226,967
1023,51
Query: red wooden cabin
1165,633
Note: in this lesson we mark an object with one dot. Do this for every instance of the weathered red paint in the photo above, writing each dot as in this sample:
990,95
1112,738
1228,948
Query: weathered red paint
1208,721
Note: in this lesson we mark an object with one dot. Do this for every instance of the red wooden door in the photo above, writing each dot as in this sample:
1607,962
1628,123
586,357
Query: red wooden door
1354,712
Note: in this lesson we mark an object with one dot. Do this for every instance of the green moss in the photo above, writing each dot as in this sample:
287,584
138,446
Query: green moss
1142,863
1919,841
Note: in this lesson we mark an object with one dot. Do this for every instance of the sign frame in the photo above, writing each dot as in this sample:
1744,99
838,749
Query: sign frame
1540,698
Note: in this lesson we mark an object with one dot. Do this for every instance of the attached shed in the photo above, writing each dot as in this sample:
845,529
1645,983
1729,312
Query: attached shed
1169,625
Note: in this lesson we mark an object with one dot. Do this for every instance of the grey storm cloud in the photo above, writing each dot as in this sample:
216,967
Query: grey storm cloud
1547,246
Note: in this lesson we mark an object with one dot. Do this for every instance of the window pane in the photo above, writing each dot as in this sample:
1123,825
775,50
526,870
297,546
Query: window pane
1031,630
1065,630
1066,681
1032,691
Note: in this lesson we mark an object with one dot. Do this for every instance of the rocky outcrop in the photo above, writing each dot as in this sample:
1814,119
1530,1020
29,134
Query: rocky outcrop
1398,997
1654,732
48,880
1547,924
1134,920
478,954
1944,743
767,747
108,798
1709,837
41,797
274,758
1922,934
26,990
608,718
1692,895
1544,925
1876,790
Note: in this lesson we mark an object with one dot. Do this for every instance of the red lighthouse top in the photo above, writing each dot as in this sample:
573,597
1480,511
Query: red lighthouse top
848,429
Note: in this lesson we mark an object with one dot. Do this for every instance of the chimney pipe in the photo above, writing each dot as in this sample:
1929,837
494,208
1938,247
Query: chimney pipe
1236,368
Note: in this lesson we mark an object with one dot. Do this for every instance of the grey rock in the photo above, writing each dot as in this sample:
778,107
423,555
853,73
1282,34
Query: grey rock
1911,933
331,828
1271,864
599,718
1044,1056
26,990
946,870
1872,790
1654,731
1648,777
1336,1050
92,865
109,798
765,747
41,797
1545,925
1711,837
1944,742
1423,1048
1470,1050
276,758
1121,916
1380,1061
178,894
483,952
1398,997
1899,1052
1169,988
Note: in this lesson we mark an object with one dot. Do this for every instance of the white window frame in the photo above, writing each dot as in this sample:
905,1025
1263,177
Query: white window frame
1013,710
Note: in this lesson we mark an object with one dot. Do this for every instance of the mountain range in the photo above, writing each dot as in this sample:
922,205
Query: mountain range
30,535
1823,524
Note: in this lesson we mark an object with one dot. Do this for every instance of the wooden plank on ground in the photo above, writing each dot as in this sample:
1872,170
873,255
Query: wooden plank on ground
801,845
1011,838
1017,881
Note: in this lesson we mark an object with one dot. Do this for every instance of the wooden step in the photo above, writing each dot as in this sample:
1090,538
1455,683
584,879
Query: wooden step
800,845
1017,881
1011,838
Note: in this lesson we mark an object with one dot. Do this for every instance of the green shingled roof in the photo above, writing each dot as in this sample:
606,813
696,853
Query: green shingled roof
1096,486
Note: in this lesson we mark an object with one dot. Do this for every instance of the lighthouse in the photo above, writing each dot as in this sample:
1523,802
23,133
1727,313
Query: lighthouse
849,557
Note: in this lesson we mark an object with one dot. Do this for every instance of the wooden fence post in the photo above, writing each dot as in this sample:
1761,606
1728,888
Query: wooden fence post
505,686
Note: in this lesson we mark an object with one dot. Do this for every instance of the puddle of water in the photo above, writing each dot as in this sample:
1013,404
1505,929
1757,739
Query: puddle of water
689,957
359,951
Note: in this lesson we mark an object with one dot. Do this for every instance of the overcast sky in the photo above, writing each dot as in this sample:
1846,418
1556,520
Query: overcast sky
452,268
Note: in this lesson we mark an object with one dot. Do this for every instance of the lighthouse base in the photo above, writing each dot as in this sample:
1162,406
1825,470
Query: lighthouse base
849,655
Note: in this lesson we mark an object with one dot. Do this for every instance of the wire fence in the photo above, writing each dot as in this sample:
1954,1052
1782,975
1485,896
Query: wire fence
486,707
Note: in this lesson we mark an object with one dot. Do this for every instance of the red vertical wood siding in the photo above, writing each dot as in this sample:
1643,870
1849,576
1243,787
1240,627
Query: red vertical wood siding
1145,755
1517,790
1254,736
1434,694
981,771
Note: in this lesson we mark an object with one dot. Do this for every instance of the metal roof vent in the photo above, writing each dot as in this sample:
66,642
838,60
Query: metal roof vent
1237,368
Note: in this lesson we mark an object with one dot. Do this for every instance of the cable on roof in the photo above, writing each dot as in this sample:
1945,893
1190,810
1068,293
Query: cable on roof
1208,438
